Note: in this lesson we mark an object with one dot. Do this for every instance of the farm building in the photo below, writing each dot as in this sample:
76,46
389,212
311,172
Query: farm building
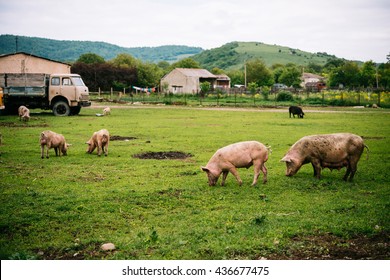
27,63
309,79
187,80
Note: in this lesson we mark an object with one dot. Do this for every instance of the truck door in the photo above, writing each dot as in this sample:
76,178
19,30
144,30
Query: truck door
62,86
67,89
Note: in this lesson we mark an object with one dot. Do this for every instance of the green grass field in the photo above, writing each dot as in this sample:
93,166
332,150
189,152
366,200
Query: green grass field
67,207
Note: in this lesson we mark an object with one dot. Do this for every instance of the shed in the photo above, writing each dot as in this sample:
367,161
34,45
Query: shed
187,80
23,63
223,81
310,78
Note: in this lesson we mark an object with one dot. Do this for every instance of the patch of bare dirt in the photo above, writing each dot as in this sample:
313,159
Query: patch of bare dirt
331,247
76,252
22,124
373,137
163,155
121,138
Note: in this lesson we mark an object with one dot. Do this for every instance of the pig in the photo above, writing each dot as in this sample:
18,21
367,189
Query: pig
237,155
24,113
333,151
54,140
107,111
295,110
99,139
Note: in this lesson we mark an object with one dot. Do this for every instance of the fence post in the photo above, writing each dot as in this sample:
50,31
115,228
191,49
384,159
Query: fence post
111,94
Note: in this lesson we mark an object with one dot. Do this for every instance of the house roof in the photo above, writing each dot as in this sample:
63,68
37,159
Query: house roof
28,54
222,77
194,72
311,76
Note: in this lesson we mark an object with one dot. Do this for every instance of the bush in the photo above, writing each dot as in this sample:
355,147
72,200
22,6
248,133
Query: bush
284,96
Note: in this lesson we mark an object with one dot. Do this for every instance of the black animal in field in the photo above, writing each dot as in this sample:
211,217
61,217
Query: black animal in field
295,110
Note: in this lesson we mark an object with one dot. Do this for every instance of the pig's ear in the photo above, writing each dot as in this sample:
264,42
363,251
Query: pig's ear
286,159
204,169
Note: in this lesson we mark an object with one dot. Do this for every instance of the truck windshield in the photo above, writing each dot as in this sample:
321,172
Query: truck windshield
77,81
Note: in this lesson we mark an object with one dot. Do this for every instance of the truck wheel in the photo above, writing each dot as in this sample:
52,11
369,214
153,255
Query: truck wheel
61,108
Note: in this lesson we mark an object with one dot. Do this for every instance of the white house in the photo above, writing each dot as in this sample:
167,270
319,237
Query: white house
187,80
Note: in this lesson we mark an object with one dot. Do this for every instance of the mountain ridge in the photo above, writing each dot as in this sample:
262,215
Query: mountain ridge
229,56
70,51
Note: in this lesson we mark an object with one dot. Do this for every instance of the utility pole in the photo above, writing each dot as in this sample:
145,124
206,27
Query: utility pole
376,71
245,74
16,44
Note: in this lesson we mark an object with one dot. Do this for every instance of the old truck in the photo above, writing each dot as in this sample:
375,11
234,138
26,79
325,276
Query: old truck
64,94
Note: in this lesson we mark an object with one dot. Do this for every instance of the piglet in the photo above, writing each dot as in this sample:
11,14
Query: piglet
54,140
24,113
100,140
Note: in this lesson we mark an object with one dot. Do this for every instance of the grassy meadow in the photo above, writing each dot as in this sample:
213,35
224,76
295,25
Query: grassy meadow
67,207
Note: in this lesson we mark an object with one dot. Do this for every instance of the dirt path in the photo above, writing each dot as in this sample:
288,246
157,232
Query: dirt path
348,110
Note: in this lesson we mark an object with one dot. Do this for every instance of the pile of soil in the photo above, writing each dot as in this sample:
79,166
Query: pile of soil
331,247
163,155
121,138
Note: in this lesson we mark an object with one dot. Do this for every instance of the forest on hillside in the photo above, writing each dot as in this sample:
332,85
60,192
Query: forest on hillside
70,51
106,66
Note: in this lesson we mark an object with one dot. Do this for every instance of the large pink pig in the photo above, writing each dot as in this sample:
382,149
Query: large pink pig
238,155
333,151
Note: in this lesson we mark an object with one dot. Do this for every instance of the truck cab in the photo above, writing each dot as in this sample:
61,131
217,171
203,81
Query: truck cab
67,93
64,94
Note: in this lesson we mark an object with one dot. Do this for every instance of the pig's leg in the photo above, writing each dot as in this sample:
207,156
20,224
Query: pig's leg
106,152
265,171
351,170
99,148
257,168
224,175
317,168
233,170
56,150
42,151
60,149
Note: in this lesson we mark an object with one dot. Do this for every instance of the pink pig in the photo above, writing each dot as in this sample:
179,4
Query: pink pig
237,155
333,151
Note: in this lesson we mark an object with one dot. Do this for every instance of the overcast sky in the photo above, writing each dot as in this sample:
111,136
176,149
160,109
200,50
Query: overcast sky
351,29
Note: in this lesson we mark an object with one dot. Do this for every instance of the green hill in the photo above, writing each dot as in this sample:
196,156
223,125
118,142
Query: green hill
233,55
69,51
228,57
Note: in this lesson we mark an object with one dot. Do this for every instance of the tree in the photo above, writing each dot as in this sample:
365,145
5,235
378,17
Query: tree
236,77
257,72
277,71
105,75
384,75
313,68
346,75
125,60
204,87
291,76
252,87
90,58
149,74
368,74
217,71
185,63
